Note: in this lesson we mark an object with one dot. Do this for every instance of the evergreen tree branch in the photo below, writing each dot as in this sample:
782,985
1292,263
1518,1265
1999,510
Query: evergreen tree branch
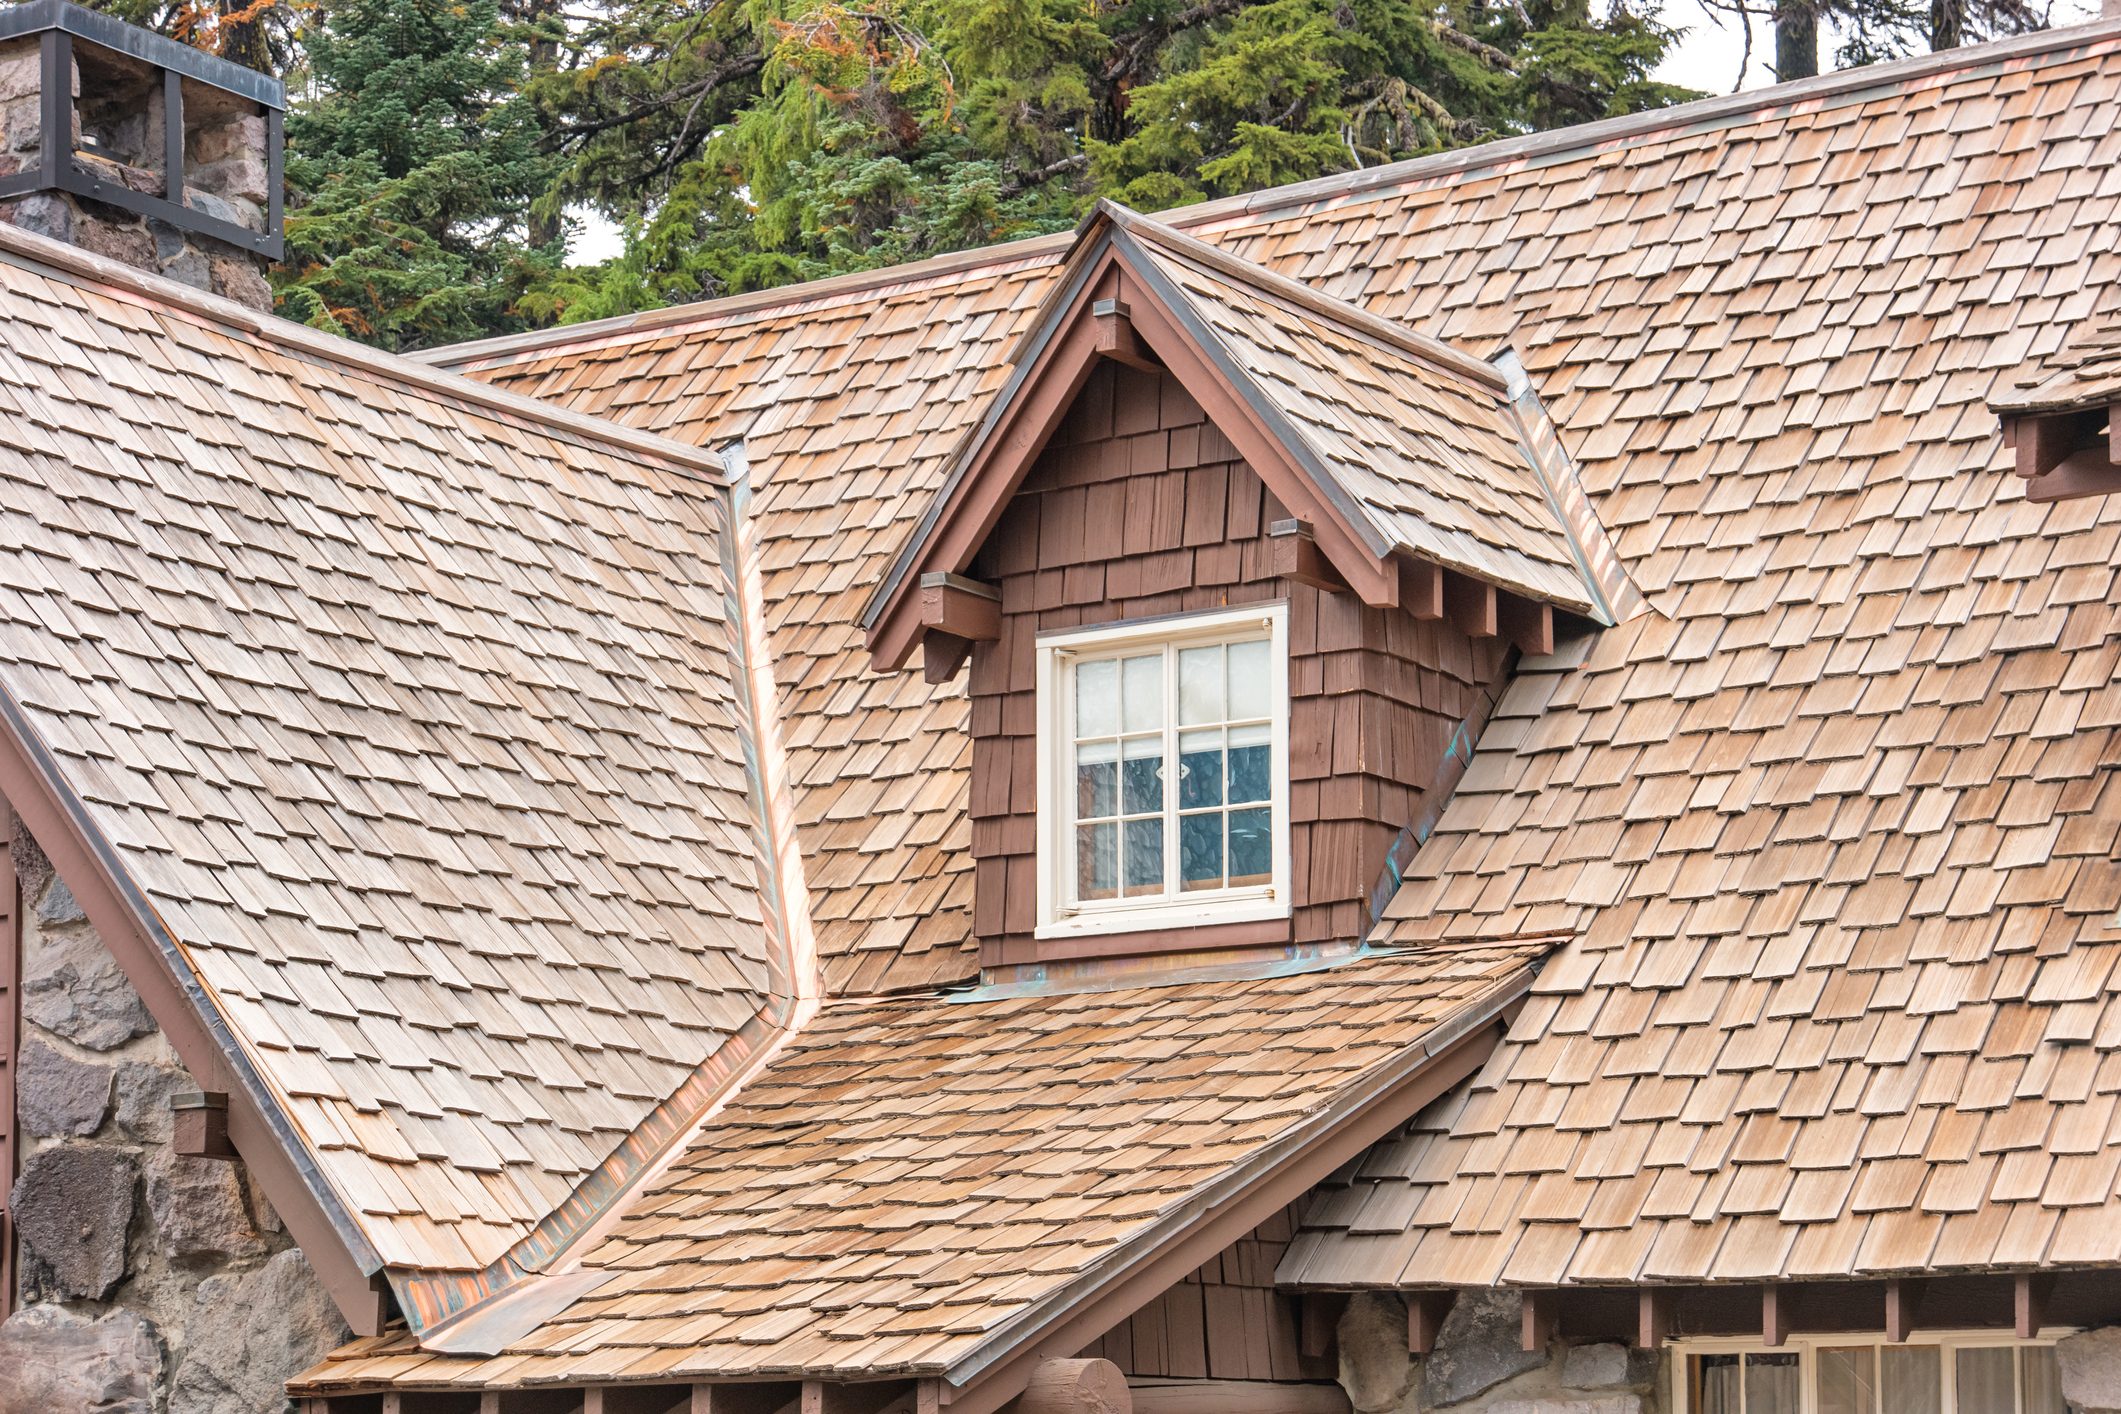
1025,181
572,134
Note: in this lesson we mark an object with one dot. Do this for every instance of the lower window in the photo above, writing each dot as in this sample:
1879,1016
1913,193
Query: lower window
1973,1374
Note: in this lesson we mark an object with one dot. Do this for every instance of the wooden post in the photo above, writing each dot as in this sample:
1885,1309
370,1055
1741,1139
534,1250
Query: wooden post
2029,1294
1076,1387
1903,1297
1541,1319
1426,1312
1774,1315
1653,1317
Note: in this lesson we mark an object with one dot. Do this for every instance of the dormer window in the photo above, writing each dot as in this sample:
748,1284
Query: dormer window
1164,773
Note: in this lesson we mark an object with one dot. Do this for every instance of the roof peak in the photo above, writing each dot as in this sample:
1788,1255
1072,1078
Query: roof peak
78,266
1529,146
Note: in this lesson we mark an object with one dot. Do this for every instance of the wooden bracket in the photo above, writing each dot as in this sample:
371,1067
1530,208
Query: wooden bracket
1296,556
963,607
1421,589
1526,623
2061,455
1318,1322
1116,338
200,1124
1426,1313
1775,1303
942,654
1542,1319
1470,603
1653,1317
2029,1294
1903,1303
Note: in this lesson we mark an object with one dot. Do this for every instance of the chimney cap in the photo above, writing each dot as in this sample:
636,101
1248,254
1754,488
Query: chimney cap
106,32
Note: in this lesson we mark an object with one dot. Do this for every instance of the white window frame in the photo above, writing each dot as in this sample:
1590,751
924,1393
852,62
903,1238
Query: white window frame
1806,1347
1057,653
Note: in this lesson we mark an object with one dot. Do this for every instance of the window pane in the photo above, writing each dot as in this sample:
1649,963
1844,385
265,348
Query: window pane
1096,780
1096,861
1097,699
1200,685
1771,1385
1911,1379
1200,851
1142,775
1717,1386
1145,693
1986,1375
2040,1381
1848,1381
1251,848
1251,762
1200,770
1145,856
1250,680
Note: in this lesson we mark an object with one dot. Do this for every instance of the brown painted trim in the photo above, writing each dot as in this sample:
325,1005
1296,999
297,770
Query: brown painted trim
960,607
1136,1272
155,964
1213,937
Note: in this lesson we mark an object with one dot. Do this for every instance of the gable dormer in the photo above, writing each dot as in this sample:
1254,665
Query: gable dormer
1238,570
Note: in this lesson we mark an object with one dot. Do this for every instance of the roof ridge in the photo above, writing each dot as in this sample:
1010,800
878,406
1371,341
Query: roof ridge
1523,147
1400,336
72,263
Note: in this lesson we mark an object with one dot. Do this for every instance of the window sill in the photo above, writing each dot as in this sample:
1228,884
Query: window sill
1170,918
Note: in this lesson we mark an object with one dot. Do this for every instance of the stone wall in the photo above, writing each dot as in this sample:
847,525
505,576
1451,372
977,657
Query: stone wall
225,172
1480,1367
149,1283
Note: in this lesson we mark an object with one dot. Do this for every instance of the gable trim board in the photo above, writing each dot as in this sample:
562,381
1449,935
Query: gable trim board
1118,279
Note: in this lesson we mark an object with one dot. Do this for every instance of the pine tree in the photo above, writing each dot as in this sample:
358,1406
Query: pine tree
413,173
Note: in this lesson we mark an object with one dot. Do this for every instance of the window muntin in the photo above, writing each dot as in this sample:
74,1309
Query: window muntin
1977,1373
1163,793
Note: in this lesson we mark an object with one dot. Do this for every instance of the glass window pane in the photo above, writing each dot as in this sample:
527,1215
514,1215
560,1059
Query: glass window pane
1251,762
2040,1381
1250,680
1096,780
1771,1383
1200,685
1911,1379
1848,1380
1145,856
1097,861
1986,1376
1716,1384
1200,770
1097,699
1200,851
1251,848
1142,775
1145,693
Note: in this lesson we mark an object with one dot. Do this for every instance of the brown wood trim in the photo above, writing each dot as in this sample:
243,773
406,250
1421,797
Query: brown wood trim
1526,623
1542,1319
1297,557
1426,1313
962,607
1903,1305
2029,1295
1421,589
1775,1303
344,1262
1211,937
1331,1139
1470,604
1653,1317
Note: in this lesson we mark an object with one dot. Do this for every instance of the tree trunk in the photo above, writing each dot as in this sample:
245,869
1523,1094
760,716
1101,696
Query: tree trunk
1947,24
1797,40
243,35
544,58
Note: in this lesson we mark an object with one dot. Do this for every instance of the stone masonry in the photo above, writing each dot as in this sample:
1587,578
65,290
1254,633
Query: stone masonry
121,113
1480,1367
150,1283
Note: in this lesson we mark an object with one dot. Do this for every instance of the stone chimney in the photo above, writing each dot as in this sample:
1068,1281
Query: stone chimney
139,148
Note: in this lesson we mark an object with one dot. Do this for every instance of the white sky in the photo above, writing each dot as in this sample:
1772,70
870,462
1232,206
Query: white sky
1706,58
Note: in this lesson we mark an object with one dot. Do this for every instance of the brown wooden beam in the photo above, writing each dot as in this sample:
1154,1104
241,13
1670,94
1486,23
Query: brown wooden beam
1653,1317
772,1397
1075,1387
2087,472
1526,623
1775,1303
2042,442
1167,1396
1470,603
515,1401
1296,556
1318,1321
942,654
961,606
1421,589
1116,338
2029,1294
637,1399
1903,1303
1426,1313
1542,1319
